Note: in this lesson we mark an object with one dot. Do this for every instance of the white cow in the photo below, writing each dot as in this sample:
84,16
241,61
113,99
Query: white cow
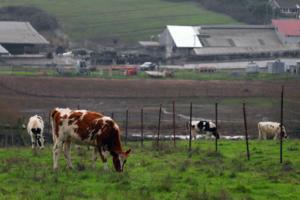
35,129
205,127
270,129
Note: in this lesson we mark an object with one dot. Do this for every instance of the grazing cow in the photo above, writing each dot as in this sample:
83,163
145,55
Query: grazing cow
269,129
90,128
35,129
208,127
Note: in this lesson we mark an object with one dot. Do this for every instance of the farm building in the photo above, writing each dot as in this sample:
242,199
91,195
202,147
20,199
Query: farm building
288,30
252,68
3,51
276,67
286,7
20,38
214,42
294,69
179,40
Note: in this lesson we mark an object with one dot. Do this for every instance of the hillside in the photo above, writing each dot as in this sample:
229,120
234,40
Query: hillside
122,21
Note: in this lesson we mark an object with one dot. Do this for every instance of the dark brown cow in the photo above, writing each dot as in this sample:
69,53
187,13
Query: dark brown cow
90,128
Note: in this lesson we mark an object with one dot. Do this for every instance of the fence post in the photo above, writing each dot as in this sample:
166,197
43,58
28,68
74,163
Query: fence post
126,126
246,131
190,126
174,125
281,123
112,115
78,107
142,127
216,121
158,128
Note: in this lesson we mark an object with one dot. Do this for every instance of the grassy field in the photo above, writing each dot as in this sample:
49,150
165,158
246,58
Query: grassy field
171,173
183,74
126,20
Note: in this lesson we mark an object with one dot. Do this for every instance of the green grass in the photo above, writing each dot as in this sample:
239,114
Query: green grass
183,74
171,173
126,20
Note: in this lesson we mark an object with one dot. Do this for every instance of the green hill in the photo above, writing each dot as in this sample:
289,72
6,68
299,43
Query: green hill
124,20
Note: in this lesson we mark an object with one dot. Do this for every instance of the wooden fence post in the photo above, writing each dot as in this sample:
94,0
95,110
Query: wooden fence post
216,121
246,131
190,126
126,126
174,125
281,123
142,127
158,128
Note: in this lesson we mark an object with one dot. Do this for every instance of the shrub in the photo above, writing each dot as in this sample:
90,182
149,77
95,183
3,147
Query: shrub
39,19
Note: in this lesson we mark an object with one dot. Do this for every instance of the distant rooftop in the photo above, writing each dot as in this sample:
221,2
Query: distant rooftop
184,36
12,32
3,50
289,27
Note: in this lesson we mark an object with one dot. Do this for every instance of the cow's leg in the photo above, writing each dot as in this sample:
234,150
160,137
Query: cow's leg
103,157
33,145
207,135
259,134
194,135
57,148
94,159
265,135
67,153
275,136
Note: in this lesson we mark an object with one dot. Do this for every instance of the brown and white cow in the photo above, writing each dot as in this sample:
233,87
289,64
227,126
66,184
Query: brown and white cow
270,129
90,128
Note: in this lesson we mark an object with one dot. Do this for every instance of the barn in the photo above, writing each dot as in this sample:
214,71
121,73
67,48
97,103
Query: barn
288,30
223,42
20,38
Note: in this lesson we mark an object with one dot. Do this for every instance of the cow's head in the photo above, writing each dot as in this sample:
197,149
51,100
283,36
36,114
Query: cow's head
38,137
119,160
284,134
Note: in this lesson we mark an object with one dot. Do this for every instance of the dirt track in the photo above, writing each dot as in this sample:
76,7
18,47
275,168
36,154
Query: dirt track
99,88
29,95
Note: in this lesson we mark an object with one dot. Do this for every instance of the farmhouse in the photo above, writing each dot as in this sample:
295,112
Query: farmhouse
20,38
286,7
223,42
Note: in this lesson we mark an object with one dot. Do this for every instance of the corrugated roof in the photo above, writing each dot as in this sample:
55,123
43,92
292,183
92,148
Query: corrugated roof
149,43
241,50
3,50
289,27
19,33
184,36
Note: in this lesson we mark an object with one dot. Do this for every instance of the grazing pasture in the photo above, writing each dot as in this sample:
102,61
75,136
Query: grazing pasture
170,173
126,20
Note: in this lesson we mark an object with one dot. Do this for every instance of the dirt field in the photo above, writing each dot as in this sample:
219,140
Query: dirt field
21,97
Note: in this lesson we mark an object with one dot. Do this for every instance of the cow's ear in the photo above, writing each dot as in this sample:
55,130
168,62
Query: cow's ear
128,151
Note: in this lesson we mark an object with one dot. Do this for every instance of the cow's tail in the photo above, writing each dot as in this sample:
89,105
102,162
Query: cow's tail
52,124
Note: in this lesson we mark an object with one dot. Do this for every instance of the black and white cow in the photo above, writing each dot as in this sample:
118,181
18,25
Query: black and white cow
204,127
35,129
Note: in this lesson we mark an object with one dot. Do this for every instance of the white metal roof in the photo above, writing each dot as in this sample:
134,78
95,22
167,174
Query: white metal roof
12,32
184,36
3,50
